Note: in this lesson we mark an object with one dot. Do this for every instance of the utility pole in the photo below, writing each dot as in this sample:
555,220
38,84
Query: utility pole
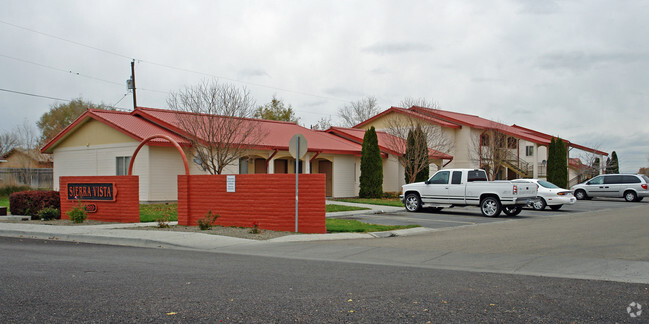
132,85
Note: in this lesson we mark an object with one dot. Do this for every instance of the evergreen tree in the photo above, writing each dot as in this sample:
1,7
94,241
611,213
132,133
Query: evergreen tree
409,157
551,166
561,164
423,163
612,165
371,179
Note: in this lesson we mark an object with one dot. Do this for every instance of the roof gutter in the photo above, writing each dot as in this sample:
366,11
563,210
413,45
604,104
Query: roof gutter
315,156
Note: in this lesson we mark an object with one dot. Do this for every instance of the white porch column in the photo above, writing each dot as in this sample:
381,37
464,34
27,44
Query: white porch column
271,166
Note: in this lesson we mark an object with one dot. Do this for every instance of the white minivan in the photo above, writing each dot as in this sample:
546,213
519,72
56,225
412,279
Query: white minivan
631,187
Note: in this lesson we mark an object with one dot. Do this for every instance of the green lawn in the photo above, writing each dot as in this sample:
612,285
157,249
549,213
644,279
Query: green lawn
4,201
151,212
338,208
349,225
395,202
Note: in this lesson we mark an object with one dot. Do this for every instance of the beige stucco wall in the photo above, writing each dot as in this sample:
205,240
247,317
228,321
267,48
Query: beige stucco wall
96,160
94,133
346,170
393,177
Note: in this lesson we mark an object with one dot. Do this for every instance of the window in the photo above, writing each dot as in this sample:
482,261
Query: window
596,181
476,175
529,150
630,179
614,179
121,165
457,177
243,166
440,178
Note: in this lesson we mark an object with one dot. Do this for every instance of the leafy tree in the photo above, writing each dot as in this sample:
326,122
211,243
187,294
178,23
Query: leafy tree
215,117
63,114
276,110
358,111
612,164
371,179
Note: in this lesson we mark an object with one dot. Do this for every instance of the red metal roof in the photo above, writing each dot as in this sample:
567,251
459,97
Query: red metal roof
278,136
387,143
133,126
410,113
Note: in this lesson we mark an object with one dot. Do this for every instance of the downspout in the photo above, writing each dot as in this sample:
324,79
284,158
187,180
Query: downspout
315,156
270,158
447,163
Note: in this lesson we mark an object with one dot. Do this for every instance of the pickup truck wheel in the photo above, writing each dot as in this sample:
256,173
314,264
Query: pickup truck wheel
512,210
412,202
490,207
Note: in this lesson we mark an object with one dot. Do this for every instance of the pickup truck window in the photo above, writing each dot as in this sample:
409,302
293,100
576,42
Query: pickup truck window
457,177
476,175
440,177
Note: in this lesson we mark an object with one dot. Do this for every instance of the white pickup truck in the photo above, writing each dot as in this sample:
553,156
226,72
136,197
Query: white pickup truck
468,187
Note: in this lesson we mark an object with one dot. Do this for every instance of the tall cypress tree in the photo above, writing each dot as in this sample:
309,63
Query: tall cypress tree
409,166
561,164
371,179
551,166
421,144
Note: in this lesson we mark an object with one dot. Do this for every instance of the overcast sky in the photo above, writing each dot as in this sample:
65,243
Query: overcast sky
575,69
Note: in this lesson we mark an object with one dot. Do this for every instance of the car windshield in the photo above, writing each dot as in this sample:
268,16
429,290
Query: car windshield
548,185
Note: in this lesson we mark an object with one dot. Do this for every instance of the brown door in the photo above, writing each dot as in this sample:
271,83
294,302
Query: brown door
326,167
260,166
281,166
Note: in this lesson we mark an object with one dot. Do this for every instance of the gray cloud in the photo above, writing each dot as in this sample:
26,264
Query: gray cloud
396,48
580,60
538,7
251,73
343,92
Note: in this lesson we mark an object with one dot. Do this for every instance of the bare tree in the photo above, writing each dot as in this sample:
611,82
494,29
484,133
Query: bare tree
8,141
358,111
217,119
399,126
408,102
322,124
492,150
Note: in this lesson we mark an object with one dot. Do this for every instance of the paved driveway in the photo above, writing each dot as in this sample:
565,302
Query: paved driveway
459,216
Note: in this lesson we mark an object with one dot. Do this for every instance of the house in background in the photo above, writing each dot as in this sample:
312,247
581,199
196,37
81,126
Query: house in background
21,167
101,142
525,149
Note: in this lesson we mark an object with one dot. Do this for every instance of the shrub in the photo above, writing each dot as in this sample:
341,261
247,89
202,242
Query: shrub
391,194
207,222
49,213
255,229
78,213
371,179
31,202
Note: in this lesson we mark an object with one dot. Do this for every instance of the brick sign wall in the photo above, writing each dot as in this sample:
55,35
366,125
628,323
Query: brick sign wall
108,198
265,199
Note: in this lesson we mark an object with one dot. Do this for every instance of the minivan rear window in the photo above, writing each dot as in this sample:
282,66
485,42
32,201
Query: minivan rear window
630,179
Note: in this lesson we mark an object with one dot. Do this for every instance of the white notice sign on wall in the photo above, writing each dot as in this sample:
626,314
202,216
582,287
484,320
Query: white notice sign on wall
230,184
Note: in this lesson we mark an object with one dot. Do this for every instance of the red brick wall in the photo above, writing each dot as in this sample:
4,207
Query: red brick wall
267,199
125,208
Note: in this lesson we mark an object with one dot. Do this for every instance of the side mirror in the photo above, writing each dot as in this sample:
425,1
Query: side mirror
427,181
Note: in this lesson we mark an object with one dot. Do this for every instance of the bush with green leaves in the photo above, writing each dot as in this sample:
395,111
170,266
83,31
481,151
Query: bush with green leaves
371,179
49,213
78,213
208,221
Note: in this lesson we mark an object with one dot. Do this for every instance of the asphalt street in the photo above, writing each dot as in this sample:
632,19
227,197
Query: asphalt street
45,281
460,216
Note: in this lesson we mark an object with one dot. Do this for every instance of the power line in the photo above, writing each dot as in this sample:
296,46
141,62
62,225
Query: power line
66,40
61,70
173,67
33,95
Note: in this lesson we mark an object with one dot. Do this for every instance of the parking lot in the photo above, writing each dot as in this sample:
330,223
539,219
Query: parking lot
460,216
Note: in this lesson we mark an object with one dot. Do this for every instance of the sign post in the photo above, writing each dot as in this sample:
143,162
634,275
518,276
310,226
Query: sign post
297,147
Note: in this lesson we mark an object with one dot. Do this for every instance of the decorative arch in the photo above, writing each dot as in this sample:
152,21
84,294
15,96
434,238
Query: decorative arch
148,139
